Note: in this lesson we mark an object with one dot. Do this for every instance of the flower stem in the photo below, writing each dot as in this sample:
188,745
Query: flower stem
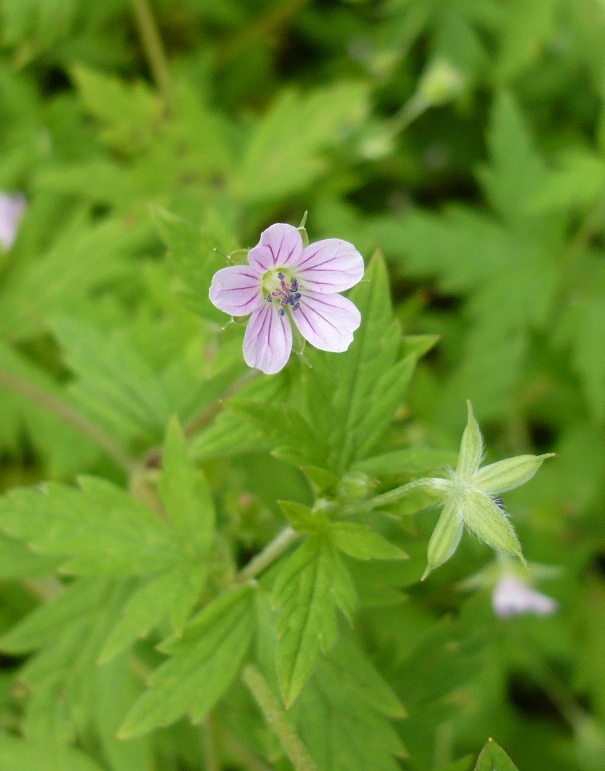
268,555
67,413
154,49
211,744
276,717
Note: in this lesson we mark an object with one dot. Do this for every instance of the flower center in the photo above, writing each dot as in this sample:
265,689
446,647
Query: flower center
275,285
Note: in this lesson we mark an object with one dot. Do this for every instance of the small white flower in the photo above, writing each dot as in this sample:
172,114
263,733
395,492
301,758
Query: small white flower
512,596
12,208
284,282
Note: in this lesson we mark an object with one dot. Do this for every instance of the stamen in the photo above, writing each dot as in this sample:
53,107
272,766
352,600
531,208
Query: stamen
289,295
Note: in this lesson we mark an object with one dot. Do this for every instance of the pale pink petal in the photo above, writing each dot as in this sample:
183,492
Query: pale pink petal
268,340
12,208
512,596
327,321
236,290
329,266
280,246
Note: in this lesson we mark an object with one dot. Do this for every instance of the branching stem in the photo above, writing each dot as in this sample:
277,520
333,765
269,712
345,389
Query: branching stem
269,554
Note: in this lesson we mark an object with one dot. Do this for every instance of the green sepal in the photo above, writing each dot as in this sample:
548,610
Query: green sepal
471,447
445,538
490,524
506,474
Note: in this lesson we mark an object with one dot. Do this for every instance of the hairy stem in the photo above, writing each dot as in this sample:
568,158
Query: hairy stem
67,413
154,49
277,718
269,554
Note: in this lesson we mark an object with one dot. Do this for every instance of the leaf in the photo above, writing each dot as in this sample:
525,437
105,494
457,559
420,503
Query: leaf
130,113
18,754
186,494
410,461
285,429
577,183
342,714
516,171
115,385
303,519
202,665
50,619
362,543
493,758
310,584
341,398
151,603
193,257
280,158
96,530
19,561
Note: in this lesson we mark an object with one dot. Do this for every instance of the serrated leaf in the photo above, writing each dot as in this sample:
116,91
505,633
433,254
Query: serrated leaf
577,183
115,385
493,758
151,603
201,668
193,257
362,543
185,493
340,396
285,429
303,519
50,619
410,461
97,530
350,704
280,158
18,754
310,584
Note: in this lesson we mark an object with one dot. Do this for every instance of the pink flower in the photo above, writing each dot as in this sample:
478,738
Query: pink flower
286,282
512,596
12,208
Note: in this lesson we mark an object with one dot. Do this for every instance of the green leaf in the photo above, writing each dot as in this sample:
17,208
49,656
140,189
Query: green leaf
18,754
193,256
577,183
351,705
115,385
19,561
445,538
341,396
411,461
96,530
202,666
362,543
493,758
280,158
50,619
303,519
311,583
151,603
186,494
130,113
285,429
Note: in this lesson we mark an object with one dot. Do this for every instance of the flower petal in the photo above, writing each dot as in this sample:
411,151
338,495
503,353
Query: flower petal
12,208
268,340
327,321
329,266
236,290
512,596
280,245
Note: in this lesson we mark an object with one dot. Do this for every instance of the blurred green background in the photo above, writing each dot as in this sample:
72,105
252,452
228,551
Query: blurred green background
463,138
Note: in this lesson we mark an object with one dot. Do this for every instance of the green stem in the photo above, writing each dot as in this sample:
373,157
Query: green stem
276,717
212,761
154,49
258,30
67,413
394,496
268,555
